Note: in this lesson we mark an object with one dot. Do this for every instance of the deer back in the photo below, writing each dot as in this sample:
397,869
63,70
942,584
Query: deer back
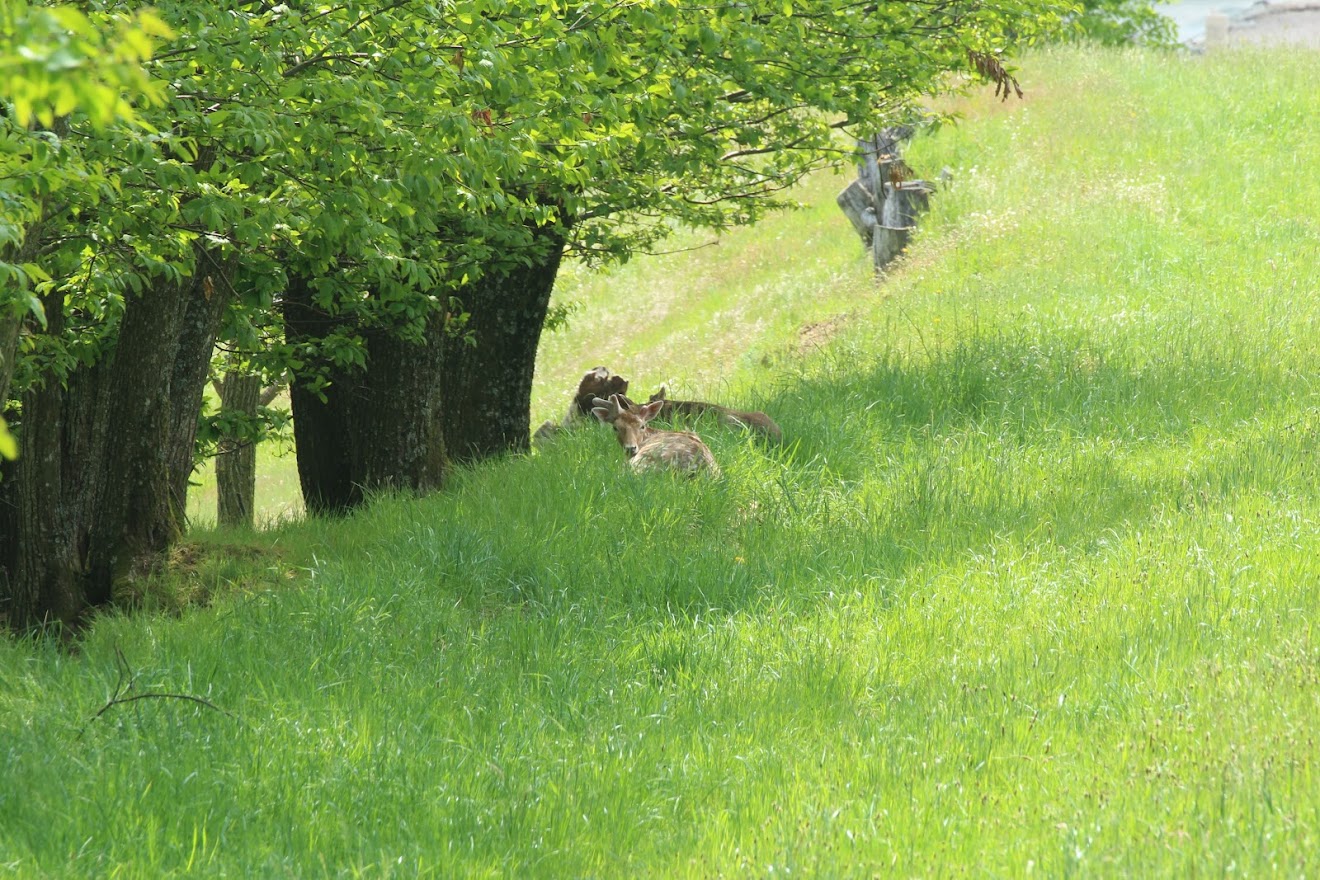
674,450
730,418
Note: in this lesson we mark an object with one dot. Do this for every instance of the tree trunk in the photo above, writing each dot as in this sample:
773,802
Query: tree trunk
396,428
324,468
90,498
377,428
488,385
201,325
395,423
11,323
236,459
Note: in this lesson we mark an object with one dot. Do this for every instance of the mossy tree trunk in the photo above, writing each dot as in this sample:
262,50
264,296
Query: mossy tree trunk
94,493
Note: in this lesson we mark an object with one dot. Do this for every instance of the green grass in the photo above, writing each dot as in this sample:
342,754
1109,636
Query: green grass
1030,587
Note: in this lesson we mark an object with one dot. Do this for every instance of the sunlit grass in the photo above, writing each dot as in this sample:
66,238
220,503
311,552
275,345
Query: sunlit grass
1029,587
708,316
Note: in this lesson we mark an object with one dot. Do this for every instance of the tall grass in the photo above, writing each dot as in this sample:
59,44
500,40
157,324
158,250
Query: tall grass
1030,587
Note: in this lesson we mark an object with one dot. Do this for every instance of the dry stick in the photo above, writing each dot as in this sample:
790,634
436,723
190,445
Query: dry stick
159,695
122,687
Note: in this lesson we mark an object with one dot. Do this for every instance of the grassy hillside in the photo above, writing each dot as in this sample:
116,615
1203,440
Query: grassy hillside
1031,585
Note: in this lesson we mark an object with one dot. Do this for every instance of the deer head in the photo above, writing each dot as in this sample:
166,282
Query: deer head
628,420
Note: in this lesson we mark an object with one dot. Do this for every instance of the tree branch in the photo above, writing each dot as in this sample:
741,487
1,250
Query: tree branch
269,393
127,679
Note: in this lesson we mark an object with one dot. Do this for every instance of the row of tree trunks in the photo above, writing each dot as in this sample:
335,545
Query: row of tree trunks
99,489
96,492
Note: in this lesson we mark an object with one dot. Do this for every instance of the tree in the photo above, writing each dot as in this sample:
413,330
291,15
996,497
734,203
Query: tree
59,61
287,140
628,120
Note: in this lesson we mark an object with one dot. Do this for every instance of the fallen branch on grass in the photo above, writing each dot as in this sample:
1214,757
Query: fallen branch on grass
125,684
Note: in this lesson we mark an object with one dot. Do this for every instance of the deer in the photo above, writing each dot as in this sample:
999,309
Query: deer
731,418
596,383
649,448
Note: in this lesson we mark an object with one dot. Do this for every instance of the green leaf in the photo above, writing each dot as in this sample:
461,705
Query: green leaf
152,24
8,445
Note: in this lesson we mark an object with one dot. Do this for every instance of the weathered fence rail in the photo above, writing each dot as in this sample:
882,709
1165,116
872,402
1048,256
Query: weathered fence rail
884,201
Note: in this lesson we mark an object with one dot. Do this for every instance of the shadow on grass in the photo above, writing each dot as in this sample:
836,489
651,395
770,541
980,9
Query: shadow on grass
1028,388
891,466
1050,440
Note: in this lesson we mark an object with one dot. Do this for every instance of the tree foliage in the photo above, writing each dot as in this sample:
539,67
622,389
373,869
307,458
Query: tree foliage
59,61
1122,22
401,148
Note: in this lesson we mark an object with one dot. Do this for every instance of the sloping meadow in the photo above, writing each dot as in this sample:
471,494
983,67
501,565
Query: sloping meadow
1030,585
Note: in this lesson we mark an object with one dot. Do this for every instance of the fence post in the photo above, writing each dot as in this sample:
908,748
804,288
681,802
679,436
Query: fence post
885,199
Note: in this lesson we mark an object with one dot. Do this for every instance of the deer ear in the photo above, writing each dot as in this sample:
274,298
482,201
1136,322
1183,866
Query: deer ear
601,413
651,410
660,395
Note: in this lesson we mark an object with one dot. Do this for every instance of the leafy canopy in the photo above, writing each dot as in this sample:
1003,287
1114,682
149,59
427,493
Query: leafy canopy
393,151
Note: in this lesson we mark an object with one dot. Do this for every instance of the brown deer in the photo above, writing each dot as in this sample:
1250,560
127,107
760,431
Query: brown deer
649,448
596,382
731,418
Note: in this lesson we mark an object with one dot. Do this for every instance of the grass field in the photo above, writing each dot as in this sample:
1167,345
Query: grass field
1031,586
